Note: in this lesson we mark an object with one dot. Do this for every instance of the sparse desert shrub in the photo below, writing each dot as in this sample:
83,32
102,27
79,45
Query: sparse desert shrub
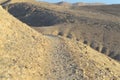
92,45
117,57
111,54
104,50
69,36
60,33
77,39
97,48
85,42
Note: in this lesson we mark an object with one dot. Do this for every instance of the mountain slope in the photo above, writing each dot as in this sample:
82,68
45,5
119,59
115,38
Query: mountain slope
99,30
27,55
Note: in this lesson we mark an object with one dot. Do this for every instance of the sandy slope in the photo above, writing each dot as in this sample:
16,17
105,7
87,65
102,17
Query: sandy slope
28,55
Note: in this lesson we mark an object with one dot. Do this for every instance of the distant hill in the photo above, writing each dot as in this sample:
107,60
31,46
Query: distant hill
86,4
62,3
108,9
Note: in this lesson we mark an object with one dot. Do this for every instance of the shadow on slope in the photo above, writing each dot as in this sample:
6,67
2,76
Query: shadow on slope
37,16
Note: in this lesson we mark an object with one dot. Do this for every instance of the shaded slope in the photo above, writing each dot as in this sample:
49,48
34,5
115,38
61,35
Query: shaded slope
37,16
58,13
27,55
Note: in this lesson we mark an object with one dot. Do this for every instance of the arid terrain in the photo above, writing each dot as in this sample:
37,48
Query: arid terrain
97,26
62,41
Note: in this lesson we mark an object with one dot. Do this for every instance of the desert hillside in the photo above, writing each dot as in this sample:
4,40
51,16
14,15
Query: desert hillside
77,4
29,55
86,4
103,9
98,26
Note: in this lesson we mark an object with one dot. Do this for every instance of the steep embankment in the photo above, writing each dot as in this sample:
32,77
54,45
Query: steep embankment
28,55
99,30
65,4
